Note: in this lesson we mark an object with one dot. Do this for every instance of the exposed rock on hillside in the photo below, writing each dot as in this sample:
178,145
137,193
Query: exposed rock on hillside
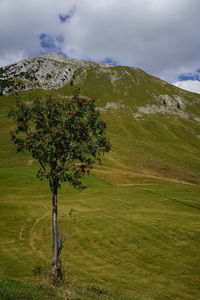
118,87
50,71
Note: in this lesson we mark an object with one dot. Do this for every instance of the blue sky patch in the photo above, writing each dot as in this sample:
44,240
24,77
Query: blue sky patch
190,76
47,42
110,61
64,18
51,44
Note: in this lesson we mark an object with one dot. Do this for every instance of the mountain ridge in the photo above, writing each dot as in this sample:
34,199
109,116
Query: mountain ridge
49,71
52,70
130,86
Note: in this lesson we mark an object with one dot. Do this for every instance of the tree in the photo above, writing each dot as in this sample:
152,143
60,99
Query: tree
66,138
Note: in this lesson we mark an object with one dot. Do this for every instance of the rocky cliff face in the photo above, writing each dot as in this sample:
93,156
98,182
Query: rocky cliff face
50,71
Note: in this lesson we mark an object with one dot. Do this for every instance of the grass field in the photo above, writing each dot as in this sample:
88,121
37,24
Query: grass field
126,242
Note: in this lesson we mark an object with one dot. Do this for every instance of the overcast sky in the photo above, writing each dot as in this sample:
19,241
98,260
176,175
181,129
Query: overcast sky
160,36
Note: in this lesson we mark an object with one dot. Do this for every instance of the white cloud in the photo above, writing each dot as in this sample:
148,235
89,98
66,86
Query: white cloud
11,57
189,85
159,36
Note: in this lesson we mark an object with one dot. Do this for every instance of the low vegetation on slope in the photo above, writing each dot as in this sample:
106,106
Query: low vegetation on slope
151,144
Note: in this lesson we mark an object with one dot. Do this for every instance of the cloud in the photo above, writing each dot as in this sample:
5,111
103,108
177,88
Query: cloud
23,21
189,85
159,36
11,57
60,38
189,81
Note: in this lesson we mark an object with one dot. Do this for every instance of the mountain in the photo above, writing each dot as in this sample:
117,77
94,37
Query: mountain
154,126
137,224
125,85
47,72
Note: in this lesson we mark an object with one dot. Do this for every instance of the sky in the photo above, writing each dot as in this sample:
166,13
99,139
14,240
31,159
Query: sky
159,36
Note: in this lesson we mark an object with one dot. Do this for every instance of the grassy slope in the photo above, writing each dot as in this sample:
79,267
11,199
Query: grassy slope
141,242
135,232
155,145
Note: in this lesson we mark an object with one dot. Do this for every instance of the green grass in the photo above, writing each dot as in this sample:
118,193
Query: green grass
133,242
162,146
11,289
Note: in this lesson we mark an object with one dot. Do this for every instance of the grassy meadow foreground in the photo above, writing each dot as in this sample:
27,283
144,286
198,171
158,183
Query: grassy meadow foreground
135,231
126,242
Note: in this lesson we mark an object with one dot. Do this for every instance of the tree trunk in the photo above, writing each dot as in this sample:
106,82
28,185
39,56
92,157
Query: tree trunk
56,269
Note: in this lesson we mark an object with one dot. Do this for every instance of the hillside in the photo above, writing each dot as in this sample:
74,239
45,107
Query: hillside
135,230
154,126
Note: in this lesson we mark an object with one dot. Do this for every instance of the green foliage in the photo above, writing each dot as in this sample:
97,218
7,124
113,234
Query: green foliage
66,137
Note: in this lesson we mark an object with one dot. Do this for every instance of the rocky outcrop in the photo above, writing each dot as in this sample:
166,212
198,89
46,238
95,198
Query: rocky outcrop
48,72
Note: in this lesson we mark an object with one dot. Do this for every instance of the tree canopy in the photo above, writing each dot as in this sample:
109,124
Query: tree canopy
66,136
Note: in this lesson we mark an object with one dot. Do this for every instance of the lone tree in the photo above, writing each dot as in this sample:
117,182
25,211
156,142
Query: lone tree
66,138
